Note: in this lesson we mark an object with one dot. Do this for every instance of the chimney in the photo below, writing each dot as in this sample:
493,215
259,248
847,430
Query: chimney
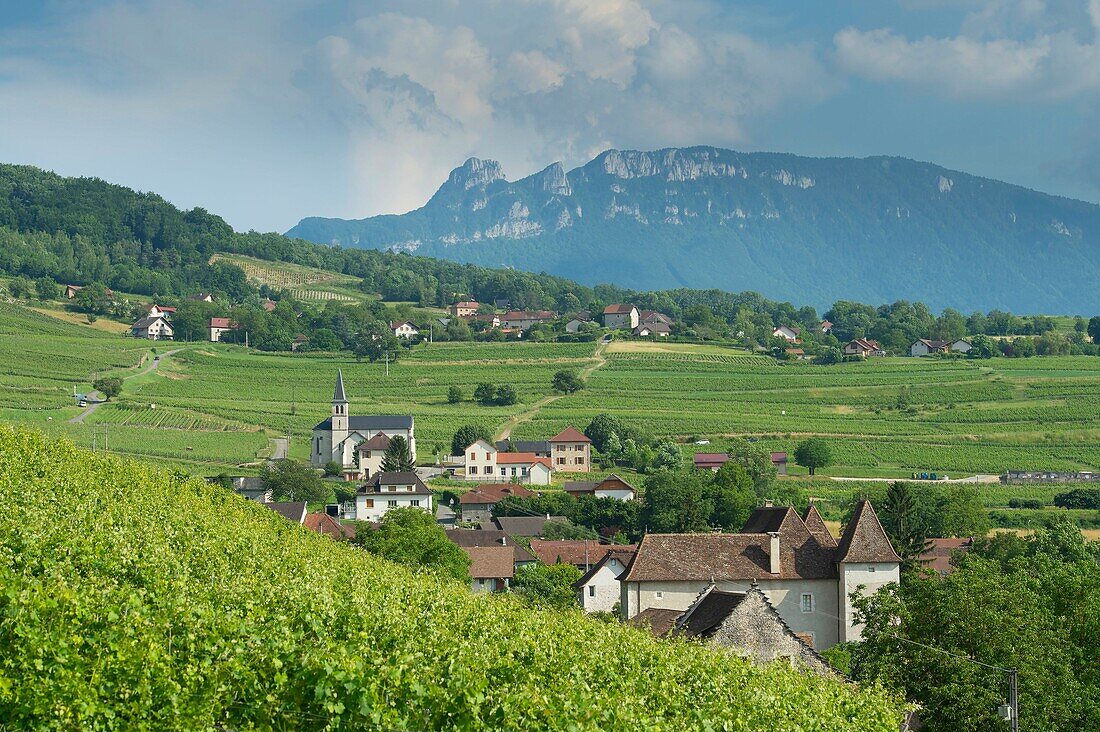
768,503
773,552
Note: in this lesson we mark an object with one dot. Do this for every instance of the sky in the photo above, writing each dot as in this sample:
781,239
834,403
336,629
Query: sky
267,112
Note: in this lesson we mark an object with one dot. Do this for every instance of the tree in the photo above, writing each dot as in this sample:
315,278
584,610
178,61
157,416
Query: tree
485,394
468,435
731,495
567,381
600,429
410,536
813,453
674,503
961,513
109,386
93,299
333,468
668,456
899,519
757,462
21,288
568,530
547,585
454,395
290,480
47,289
398,458
1094,328
981,346
377,343
325,339
505,395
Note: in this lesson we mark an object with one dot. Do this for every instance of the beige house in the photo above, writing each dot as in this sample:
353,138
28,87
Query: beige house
924,347
622,316
370,454
806,575
465,308
863,348
487,464
571,451
219,327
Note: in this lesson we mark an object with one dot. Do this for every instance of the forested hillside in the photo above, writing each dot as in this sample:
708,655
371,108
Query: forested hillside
145,600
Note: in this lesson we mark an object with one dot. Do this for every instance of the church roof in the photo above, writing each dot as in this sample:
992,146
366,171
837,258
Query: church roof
338,395
373,423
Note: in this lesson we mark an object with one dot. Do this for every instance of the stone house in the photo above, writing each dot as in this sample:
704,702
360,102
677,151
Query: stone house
387,491
621,316
465,308
571,451
806,574
598,588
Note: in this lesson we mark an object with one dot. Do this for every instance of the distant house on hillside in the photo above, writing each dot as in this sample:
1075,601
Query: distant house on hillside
201,297
486,463
610,487
465,308
650,317
864,348
404,329
940,551
622,316
477,504
153,327
826,326
71,290
924,347
578,321
787,332
571,451
524,319
219,327
269,305
657,329
164,310
715,460
386,491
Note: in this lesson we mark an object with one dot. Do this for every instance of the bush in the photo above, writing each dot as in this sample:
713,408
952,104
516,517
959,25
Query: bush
454,395
191,608
1078,498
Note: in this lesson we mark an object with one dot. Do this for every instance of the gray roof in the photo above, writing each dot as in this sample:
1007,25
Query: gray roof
523,445
293,512
375,484
526,525
338,395
145,322
489,537
373,423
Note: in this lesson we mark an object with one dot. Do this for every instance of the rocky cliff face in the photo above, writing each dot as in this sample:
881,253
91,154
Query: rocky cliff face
808,229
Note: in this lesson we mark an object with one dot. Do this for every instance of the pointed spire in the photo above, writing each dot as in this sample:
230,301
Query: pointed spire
338,395
864,539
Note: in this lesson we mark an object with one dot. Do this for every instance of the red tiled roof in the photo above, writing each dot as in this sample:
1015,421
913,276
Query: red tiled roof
710,459
618,309
467,304
220,323
779,457
521,458
657,620
322,523
575,551
938,556
493,493
570,434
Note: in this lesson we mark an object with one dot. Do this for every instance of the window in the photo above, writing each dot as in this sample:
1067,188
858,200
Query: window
579,461
368,454
391,488
391,504
660,594
415,502
408,489
486,457
473,470
370,503
561,461
504,471
524,470
807,602
592,590
871,568
473,456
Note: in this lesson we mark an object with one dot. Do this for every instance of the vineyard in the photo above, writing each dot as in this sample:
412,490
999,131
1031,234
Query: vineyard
303,283
191,608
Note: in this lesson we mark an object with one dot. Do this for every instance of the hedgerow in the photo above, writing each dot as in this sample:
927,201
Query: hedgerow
134,598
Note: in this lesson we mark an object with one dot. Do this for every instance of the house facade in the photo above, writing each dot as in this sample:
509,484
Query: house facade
621,316
485,463
465,308
153,327
491,567
610,487
863,348
786,332
337,439
655,330
571,451
524,319
598,588
370,454
405,329
806,575
924,347
387,491
219,327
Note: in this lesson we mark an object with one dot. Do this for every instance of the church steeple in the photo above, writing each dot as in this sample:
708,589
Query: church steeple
338,395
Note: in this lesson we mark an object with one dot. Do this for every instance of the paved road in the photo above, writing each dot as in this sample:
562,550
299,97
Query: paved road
279,451
971,479
94,405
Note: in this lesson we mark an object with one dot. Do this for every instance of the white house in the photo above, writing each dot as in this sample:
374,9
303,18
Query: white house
338,437
387,491
219,327
598,589
923,347
623,316
786,332
610,487
657,329
487,464
806,575
481,461
153,327
405,329
371,453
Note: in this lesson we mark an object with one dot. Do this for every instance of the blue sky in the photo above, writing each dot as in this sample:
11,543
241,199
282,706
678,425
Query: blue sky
268,112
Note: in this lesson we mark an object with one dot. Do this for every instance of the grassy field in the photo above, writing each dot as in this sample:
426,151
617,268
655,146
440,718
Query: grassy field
218,406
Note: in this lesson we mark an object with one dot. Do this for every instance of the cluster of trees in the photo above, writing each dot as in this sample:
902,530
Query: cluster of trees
618,444
1031,604
1086,498
494,395
412,537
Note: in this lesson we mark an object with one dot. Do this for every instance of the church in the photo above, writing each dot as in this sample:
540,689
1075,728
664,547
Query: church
357,443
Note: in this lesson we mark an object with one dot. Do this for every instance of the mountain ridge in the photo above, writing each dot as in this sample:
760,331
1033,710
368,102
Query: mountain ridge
811,229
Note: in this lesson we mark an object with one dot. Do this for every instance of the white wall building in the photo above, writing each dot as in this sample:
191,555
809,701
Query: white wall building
598,589
338,437
387,491
807,575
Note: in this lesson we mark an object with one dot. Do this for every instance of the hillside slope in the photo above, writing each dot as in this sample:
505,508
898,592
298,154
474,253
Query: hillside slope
806,229
137,599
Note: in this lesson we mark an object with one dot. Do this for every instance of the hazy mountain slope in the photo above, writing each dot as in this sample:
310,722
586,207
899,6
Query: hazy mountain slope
809,229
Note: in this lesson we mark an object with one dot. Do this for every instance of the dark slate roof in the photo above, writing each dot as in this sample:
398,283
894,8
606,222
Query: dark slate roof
817,527
580,486
709,613
293,512
523,445
656,620
526,525
488,537
373,423
145,322
864,539
765,519
338,394
375,484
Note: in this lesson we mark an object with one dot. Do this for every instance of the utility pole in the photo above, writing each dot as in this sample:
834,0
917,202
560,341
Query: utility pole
1013,701
387,363
105,448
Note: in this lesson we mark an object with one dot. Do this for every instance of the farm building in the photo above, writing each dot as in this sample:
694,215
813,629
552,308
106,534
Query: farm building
924,347
610,487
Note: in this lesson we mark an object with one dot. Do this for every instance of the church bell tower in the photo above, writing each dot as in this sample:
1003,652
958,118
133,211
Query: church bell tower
339,419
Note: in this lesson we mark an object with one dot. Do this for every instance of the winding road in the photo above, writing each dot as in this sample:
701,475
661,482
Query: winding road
94,405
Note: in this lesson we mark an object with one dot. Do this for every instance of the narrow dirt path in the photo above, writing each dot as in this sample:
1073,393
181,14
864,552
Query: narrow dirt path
153,365
528,414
